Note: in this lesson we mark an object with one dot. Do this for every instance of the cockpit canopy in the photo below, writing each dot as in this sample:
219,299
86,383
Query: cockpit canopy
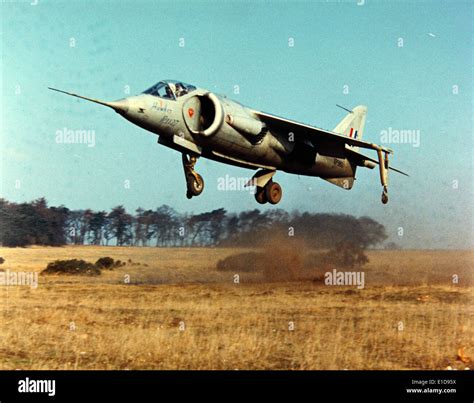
170,89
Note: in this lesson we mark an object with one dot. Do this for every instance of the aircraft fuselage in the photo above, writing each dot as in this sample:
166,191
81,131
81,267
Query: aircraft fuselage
275,150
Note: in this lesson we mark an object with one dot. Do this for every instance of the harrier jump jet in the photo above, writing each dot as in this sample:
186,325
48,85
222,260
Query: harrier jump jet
199,123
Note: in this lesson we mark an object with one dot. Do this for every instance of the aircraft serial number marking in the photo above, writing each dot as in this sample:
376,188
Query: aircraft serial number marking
170,122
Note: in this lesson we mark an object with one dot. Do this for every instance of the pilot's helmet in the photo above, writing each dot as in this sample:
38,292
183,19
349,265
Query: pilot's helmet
172,86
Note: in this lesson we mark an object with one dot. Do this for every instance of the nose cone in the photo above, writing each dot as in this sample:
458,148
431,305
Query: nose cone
121,106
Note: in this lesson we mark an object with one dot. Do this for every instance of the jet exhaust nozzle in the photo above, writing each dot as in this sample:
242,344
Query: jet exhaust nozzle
245,125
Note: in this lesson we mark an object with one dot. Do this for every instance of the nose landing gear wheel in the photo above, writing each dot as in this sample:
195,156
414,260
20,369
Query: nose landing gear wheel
195,185
194,181
273,192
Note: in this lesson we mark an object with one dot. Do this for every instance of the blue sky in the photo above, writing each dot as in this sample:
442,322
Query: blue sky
424,85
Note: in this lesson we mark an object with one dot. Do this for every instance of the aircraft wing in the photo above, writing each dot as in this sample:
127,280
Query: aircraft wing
365,157
311,132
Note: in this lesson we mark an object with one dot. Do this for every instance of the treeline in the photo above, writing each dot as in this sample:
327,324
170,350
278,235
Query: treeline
36,223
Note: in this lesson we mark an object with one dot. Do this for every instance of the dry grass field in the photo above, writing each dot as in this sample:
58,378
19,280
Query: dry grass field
171,309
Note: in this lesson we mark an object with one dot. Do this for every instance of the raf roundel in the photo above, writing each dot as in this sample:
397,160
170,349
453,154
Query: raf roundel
190,112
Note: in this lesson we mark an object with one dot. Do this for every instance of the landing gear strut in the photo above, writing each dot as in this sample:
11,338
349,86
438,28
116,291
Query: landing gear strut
194,181
266,190
383,166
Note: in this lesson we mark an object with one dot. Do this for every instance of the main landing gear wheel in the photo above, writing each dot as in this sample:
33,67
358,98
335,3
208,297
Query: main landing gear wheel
270,193
260,195
194,181
273,192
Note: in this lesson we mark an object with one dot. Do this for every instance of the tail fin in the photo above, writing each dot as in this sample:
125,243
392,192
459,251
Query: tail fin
353,124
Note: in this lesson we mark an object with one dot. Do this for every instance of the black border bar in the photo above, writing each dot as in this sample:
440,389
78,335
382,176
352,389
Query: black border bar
241,385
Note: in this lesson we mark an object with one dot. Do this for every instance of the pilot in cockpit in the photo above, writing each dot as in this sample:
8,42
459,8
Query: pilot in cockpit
170,91
179,90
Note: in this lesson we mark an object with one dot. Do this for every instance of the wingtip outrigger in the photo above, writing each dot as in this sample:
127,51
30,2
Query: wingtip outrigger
382,154
383,163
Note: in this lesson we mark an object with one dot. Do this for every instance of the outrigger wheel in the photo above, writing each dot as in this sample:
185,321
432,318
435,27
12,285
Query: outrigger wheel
194,181
385,195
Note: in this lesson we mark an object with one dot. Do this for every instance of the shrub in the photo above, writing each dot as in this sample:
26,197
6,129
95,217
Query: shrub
108,263
72,266
105,263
